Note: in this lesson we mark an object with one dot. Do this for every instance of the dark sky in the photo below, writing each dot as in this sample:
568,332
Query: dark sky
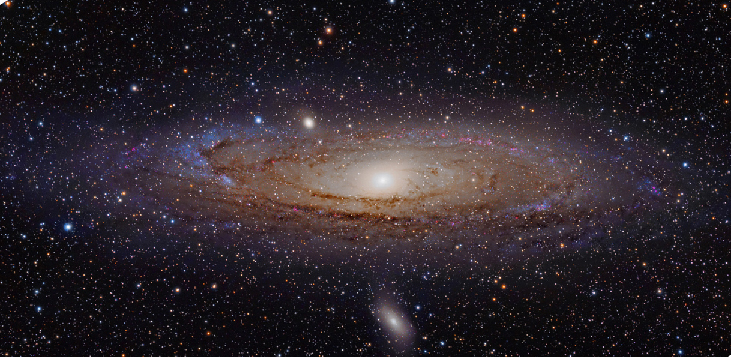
661,61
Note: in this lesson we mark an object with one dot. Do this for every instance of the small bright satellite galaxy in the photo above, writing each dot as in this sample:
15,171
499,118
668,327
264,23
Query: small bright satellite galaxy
370,178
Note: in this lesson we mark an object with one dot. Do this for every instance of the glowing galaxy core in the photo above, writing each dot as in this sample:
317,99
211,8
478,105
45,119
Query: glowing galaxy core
382,180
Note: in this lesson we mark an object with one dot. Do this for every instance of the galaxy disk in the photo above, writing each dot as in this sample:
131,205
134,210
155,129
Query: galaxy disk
457,185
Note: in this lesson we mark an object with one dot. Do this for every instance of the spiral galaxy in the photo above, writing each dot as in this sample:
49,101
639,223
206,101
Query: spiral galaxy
419,188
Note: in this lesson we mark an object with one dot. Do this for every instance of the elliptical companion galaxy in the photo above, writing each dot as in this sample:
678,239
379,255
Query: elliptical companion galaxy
415,188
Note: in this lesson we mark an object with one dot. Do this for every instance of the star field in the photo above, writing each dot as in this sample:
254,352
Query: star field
365,178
